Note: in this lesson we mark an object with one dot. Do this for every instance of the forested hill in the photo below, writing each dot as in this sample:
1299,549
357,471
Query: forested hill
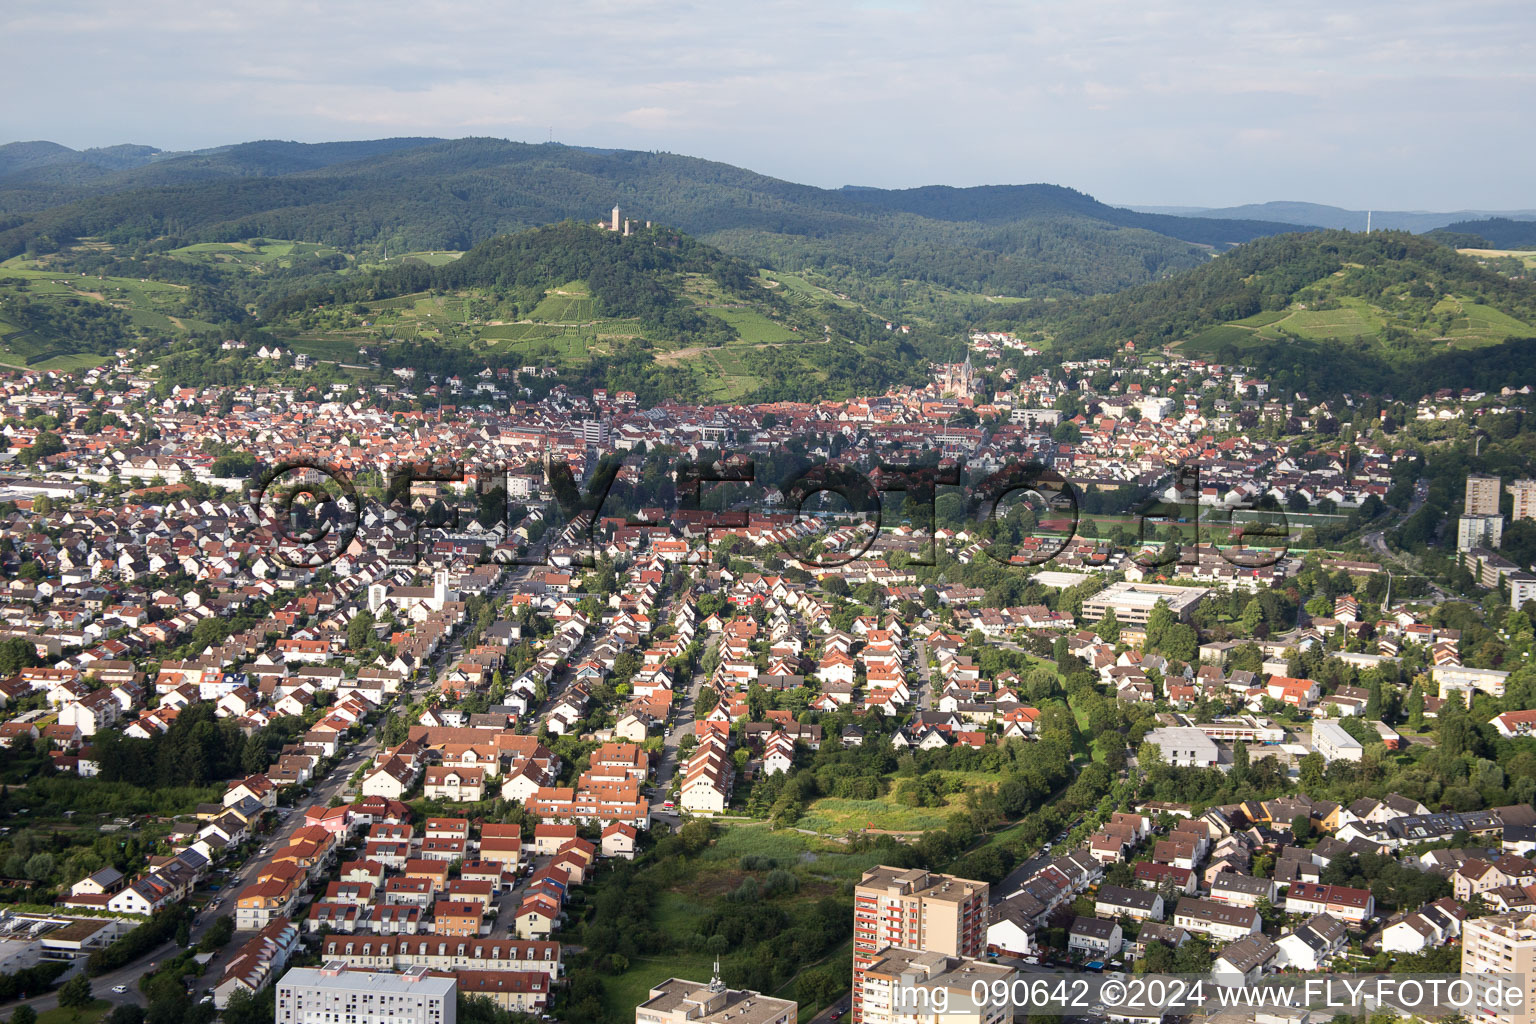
42,174
418,194
635,276
1496,232
1321,312
656,312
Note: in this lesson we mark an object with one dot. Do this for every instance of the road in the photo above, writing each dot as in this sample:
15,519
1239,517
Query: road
924,677
1377,542
333,784
1019,875
680,722
837,1010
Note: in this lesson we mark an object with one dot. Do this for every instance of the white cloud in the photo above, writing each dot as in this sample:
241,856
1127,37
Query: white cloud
1176,102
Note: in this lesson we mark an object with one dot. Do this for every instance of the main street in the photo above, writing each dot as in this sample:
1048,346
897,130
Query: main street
924,677
680,722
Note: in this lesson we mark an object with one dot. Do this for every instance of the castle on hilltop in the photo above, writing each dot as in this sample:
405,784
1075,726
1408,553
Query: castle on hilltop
618,222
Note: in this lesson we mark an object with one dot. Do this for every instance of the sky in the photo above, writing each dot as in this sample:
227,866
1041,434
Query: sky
1384,104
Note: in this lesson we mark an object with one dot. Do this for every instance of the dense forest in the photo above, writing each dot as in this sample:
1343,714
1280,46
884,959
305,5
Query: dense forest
1495,233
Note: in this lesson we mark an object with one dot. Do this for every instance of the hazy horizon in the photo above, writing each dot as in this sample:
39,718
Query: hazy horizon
1175,105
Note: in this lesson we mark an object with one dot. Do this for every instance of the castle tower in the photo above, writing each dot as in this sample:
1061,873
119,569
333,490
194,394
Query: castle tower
615,216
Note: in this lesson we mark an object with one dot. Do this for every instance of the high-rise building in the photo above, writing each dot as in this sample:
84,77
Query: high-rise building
1482,496
1479,532
596,432
679,1001
1501,945
913,909
907,986
1525,499
308,995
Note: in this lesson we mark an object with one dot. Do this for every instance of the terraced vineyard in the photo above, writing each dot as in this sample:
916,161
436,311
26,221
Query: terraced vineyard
55,297
1453,321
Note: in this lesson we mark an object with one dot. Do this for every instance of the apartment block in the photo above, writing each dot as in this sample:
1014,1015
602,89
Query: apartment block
1504,944
1524,492
913,909
308,995
1479,531
1482,495
1330,740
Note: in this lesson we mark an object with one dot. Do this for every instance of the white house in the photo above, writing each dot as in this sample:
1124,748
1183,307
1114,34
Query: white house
1312,943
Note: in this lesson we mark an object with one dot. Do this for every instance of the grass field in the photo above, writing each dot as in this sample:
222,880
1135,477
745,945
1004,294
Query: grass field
1475,320
623,992
571,303
821,866
246,257
730,368
1317,324
26,350
754,328
98,1009
1471,324
1526,256
330,348
835,815
519,332
1263,319
435,258
559,346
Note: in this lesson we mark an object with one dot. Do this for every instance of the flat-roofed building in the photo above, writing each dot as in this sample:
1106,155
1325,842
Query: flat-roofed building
308,995
1482,495
910,986
1133,602
1524,492
1479,532
1185,747
680,1001
1334,743
1466,679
